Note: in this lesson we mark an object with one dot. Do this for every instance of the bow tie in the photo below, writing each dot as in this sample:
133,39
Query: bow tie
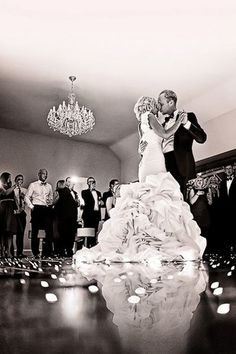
229,178
167,119
43,183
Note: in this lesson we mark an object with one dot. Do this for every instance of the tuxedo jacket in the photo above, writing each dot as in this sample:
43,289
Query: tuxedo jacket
225,197
88,208
183,141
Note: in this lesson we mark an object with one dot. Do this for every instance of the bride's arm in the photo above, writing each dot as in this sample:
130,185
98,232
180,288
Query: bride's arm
158,128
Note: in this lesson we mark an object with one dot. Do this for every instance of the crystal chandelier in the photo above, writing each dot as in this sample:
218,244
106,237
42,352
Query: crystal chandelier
72,119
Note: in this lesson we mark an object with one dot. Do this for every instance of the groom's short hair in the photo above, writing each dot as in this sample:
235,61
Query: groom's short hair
169,95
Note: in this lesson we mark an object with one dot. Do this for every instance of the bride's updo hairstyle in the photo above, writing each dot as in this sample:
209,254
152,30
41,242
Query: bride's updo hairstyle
145,104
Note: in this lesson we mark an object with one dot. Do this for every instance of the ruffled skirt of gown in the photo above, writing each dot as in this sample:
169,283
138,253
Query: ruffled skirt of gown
149,222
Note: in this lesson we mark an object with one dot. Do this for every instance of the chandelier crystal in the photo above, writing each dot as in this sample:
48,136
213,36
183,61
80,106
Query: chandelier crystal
71,119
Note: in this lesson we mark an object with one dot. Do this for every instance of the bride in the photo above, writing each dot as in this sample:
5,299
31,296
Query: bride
150,220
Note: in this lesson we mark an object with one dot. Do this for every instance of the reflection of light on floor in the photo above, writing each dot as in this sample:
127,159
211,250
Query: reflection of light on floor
44,284
93,289
73,305
62,280
133,299
53,276
229,274
140,291
117,280
223,309
218,291
50,297
233,267
27,274
22,281
215,285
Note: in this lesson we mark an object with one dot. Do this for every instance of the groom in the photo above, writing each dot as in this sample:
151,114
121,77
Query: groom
178,148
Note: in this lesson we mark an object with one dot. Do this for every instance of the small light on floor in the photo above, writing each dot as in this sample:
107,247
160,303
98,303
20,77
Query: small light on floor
153,281
140,291
218,291
223,309
215,285
93,289
133,299
62,280
44,284
50,297
117,280
229,274
233,267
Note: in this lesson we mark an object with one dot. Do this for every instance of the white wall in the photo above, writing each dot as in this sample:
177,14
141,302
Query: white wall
127,150
25,153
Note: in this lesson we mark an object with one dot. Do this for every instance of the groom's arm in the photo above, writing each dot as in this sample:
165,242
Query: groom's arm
194,129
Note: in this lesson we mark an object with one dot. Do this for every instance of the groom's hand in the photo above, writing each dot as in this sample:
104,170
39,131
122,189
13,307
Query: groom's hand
142,147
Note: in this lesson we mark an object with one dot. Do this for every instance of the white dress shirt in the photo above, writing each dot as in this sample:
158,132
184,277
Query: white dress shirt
95,197
229,182
17,197
39,193
168,144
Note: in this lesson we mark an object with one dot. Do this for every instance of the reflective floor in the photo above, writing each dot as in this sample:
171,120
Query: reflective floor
50,307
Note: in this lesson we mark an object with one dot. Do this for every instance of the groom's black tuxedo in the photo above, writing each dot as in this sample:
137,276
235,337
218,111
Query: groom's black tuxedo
180,162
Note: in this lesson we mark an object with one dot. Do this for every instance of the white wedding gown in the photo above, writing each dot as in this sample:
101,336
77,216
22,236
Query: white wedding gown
150,220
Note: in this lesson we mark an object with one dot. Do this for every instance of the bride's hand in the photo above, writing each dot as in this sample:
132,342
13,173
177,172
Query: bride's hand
183,117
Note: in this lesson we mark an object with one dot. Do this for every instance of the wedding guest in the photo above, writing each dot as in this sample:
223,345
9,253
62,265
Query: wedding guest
66,209
8,223
20,213
39,198
109,193
199,205
227,207
92,208
111,201
57,237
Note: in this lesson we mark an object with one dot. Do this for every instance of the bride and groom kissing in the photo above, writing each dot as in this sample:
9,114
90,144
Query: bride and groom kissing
150,220
176,147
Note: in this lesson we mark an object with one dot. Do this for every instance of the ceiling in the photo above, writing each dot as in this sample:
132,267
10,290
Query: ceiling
118,51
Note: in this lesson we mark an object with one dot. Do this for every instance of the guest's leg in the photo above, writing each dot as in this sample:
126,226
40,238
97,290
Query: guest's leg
21,223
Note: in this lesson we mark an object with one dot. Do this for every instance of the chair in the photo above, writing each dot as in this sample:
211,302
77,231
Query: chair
85,232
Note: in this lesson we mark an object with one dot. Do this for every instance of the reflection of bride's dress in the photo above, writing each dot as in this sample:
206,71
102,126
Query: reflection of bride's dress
150,218
158,321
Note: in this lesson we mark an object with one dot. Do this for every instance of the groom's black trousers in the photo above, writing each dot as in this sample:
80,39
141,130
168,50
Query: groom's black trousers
172,167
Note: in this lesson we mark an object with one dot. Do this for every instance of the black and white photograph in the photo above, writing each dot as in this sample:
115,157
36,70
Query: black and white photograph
117,177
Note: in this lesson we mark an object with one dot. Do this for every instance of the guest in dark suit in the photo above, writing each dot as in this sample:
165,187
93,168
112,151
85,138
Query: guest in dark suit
8,222
91,208
178,148
66,213
108,194
20,213
227,209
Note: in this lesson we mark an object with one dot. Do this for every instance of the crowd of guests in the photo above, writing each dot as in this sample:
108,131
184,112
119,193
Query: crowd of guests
213,204
54,215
